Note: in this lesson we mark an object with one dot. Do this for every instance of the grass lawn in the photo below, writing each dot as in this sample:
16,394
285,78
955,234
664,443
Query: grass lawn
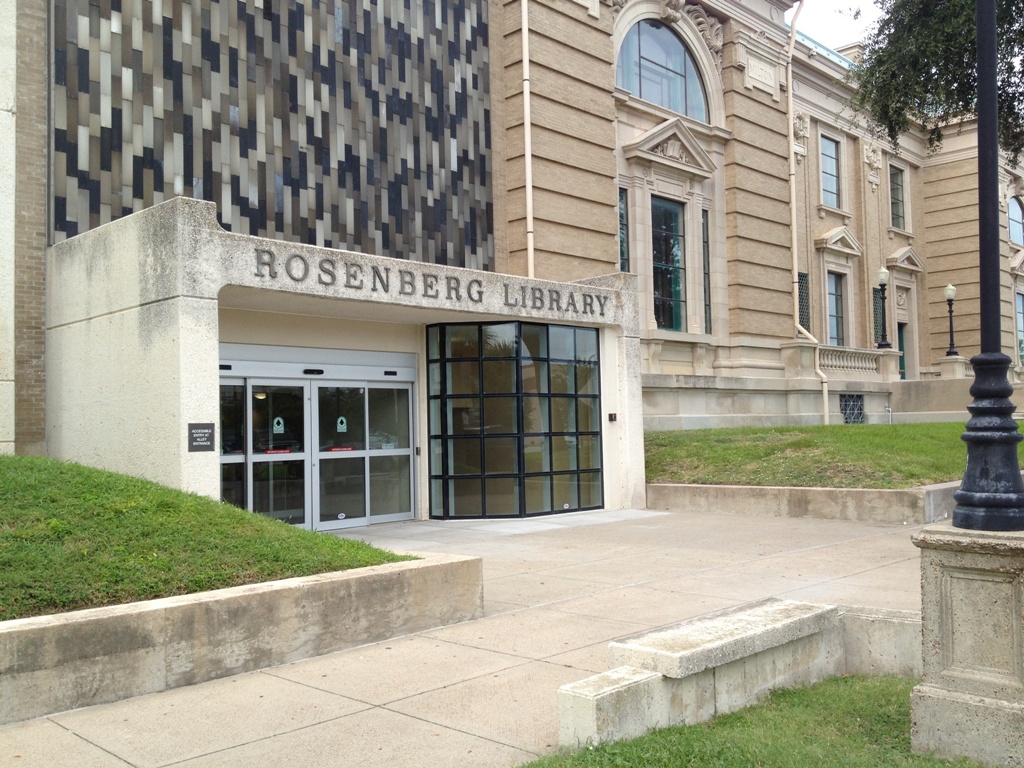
74,537
840,456
853,722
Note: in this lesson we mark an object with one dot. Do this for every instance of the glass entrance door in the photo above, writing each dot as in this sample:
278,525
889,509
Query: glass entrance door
323,455
279,450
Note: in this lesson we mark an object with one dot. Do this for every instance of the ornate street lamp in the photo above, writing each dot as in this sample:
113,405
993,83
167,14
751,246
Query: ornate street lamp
991,496
883,280
950,293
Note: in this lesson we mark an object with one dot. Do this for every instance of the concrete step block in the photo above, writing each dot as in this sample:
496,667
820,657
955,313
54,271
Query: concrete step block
619,704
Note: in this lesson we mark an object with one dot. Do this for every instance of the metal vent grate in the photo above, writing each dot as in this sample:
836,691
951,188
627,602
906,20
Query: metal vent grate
852,408
804,295
879,307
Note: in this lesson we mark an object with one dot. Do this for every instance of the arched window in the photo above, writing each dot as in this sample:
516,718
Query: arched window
655,65
1016,221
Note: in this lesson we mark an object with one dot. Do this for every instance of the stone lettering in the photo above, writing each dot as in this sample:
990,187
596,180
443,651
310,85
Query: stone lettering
430,286
381,277
290,268
454,288
327,275
407,282
354,276
265,260
509,301
358,276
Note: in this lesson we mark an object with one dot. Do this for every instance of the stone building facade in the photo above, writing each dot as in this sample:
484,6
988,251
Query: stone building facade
343,261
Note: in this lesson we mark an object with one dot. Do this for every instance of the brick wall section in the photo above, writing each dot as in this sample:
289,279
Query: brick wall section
757,209
573,129
951,244
31,235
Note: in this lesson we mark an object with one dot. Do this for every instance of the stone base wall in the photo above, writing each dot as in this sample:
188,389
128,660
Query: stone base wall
54,663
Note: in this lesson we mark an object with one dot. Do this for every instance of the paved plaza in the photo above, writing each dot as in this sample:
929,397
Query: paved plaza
483,693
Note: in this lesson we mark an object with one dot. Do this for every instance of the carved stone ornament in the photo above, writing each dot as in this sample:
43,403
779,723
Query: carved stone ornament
800,126
673,149
617,5
711,30
672,10
901,299
873,159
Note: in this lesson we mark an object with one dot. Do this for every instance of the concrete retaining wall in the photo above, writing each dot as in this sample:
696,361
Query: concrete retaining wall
925,504
54,663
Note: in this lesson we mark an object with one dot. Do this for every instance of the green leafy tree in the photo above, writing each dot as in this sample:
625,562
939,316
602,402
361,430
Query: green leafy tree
919,67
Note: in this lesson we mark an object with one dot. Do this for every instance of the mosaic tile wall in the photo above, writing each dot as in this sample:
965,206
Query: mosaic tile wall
356,124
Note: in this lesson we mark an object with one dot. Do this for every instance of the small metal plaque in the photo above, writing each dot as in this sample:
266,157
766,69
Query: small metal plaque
200,437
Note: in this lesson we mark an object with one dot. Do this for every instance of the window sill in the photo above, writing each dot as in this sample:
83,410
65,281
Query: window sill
662,334
824,210
894,231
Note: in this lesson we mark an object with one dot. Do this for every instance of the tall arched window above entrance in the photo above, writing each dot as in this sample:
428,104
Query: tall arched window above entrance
1016,221
655,65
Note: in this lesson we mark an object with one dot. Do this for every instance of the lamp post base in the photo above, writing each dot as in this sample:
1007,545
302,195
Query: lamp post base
991,496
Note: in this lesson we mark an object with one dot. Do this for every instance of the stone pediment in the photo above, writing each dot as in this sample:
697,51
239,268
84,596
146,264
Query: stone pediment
1017,261
839,240
905,259
671,144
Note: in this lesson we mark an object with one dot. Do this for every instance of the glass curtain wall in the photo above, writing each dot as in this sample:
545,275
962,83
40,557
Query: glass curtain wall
515,419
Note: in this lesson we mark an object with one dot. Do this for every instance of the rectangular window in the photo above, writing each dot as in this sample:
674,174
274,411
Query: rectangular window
669,262
1020,327
706,238
623,230
830,169
896,197
836,321
803,286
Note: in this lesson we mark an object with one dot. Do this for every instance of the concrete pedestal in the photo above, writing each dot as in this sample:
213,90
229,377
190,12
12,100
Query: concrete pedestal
971,702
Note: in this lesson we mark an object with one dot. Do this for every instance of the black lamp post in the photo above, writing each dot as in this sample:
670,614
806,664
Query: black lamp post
883,280
950,293
991,496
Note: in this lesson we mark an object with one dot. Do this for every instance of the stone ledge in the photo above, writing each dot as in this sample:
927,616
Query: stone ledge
674,677
54,663
712,641
916,506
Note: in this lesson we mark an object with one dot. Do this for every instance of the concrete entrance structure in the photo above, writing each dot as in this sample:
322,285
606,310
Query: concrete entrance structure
139,307
971,702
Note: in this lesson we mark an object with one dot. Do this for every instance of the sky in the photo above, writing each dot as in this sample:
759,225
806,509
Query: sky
831,22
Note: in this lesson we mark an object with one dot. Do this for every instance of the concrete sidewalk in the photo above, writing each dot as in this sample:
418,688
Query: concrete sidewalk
483,693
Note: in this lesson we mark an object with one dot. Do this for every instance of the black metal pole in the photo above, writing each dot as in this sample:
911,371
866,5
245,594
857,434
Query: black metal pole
991,496
952,347
884,343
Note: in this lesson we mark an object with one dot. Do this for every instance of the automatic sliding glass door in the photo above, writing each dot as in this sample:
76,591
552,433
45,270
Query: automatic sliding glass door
323,455
279,450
